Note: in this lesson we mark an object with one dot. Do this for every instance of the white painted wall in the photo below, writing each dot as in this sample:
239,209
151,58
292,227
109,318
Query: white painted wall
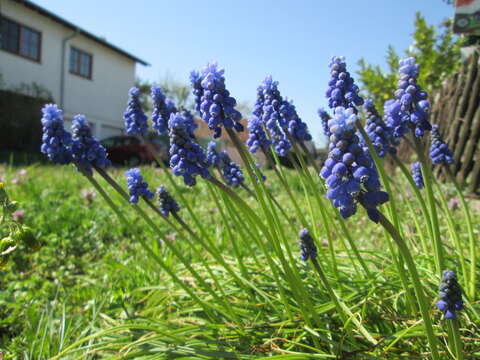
102,99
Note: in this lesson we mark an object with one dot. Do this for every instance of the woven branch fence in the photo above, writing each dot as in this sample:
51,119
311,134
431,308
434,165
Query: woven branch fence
456,109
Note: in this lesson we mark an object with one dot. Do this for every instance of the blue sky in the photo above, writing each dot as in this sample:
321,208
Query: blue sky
290,40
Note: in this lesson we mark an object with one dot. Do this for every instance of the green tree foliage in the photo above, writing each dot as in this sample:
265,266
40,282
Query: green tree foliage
437,51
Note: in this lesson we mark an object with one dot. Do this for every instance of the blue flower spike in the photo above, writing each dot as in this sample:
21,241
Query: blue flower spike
324,117
137,187
308,250
231,172
213,100
135,119
417,175
296,127
379,133
349,172
187,158
56,141
410,109
257,138
450,295
168,205
439,151
86,149
342,90
162,108
272,110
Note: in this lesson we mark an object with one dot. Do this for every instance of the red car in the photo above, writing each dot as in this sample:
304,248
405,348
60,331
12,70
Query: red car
132,150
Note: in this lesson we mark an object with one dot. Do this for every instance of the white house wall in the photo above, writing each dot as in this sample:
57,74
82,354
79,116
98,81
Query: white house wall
102,99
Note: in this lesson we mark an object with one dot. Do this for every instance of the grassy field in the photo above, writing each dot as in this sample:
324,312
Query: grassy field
93,292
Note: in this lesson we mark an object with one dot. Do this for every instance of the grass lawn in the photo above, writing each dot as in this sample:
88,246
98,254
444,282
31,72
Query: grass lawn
92,291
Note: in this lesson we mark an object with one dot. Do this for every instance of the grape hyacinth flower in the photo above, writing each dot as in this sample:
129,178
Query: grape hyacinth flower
417,175
188,159
217,107
379,133
86,149
56,141
136,186
167,202
342,90
135,119
308,250
190,123
296,127
257,138
269,109
450,295
231,172
162,108
324,117
410,109
196,82
349,172
439,151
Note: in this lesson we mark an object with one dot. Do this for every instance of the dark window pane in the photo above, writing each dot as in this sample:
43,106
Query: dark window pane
30,43
73,59
80,63
10,35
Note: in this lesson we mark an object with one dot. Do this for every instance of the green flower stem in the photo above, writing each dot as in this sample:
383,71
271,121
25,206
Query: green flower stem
454,323
472,241
176,187
392,210
292,271
149,251
418,194
175,251
341,221
427,173
277,204
194,248
419,292
342,309
454,235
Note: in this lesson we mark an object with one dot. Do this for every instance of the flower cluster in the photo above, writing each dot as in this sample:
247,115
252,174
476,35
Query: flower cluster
196,82
439,151
324,117
189,122
86,149
417,175
217,107
308,249
379,133
410,109
136,186
257,138
167,202
56,141
296,127
342,90
188,159
231,172
348,168
272,110
450,295
162,108
135,119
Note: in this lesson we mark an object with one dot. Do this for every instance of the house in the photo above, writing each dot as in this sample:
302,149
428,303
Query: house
83,72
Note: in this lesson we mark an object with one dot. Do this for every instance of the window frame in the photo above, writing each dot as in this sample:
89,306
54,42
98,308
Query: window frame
78,63
21,28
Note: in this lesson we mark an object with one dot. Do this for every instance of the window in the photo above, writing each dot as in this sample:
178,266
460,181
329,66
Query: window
80,63
19,39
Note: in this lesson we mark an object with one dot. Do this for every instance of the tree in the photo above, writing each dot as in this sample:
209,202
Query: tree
437,51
